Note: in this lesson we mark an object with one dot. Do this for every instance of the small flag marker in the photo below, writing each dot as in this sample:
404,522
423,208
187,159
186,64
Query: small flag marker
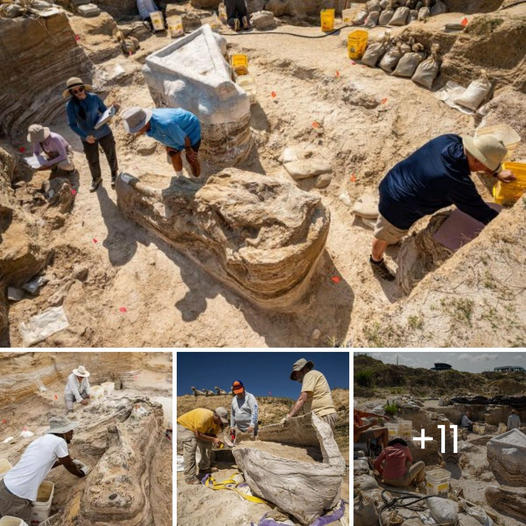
315,124
335,279
123,309
464,22
273,94
353,178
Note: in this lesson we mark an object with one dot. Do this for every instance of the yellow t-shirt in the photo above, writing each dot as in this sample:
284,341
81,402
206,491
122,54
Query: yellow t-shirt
319,394
201,420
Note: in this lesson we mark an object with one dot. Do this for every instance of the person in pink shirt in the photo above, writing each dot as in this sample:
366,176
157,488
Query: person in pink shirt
51,149
395,465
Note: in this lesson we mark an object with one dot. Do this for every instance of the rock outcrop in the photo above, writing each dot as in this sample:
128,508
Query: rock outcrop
507,457
302,489
509,502
37,56
258,235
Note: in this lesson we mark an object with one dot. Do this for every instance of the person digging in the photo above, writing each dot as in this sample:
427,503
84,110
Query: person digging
435,176
19,487
77,388
198,429
175,128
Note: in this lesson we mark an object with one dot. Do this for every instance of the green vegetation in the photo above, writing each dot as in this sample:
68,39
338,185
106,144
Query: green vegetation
390,409
364,378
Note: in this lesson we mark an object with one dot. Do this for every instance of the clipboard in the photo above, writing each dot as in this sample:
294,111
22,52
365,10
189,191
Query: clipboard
106,117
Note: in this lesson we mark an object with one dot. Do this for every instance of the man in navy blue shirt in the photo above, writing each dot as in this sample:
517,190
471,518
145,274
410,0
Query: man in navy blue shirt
437,175
176,128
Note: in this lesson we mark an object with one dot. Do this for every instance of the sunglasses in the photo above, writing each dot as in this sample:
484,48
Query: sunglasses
77,90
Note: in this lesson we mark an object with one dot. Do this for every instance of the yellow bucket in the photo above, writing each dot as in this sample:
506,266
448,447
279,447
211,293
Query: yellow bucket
510,193
357,43
239,64
157,21
327,19
175,26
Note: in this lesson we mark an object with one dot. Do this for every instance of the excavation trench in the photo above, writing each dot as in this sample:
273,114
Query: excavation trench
123,436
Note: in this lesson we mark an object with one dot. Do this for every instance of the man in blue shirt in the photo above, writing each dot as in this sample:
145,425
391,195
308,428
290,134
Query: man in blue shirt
244,413
437,175
176,128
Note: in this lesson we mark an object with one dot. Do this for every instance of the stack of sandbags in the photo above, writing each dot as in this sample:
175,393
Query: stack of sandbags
397,12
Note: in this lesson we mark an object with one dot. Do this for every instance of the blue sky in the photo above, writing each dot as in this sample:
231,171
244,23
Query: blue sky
261,372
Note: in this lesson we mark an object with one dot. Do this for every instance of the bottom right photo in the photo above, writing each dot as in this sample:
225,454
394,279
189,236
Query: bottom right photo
439,438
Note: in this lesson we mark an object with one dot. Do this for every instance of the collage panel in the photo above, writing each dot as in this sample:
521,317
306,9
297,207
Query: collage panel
263,438
86,438
439,438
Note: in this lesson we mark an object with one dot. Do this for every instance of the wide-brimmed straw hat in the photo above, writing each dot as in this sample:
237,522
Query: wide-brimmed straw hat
60,424
73,82
135,118
487,149
37,133
299,365
222,413
81,371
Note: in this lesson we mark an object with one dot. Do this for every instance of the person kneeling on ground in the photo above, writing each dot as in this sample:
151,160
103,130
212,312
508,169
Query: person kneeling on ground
51,150
84,110
237,14
77,388
176,128
19,487
366,432
395,465
147,7
199,429
437,175
244,410
466,422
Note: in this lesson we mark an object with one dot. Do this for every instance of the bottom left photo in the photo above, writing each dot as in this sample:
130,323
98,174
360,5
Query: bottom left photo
85,438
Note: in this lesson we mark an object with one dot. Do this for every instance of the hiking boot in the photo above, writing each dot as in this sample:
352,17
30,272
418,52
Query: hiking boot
237,25
113,179
193,482
204,472
381,270
245,23
95,184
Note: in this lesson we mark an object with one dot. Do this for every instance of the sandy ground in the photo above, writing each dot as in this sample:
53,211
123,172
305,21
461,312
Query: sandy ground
33,412
368,121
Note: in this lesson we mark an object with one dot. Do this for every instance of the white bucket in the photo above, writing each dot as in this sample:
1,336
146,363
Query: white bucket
437,482
175,26
405,429
42,506
96,392
7,520
5,466
157,20
108,387
392,430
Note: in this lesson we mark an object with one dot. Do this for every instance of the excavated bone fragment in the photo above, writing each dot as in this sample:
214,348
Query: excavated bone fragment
297,431
507,501
302,489
192,73
260,236
507,457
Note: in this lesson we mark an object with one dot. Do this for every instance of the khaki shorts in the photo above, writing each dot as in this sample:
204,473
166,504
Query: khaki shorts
387,232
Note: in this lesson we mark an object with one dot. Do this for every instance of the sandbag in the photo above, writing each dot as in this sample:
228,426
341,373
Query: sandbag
427,71
385,17
413,15
373,53
475,93
359,19
444,511
365,513
373,5
438,8
423,13
390,59
407,64
400,17
384,4
372,19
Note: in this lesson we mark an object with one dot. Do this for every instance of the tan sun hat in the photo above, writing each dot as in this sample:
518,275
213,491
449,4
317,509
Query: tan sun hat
134,119
81,371
299,365
37,133
487,149
222,413
73,82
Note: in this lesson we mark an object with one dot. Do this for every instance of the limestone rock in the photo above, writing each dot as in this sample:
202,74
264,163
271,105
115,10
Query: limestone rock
36,57
305,168
302,489
192,73
254,233
367,205
88,10
507,501
323,180
262,20
507,457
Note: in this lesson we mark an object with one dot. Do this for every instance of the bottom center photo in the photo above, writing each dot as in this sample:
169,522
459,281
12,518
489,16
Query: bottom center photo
262,438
